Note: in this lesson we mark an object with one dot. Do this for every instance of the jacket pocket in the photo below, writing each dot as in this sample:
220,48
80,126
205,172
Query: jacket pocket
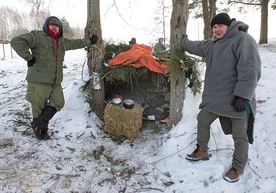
45,51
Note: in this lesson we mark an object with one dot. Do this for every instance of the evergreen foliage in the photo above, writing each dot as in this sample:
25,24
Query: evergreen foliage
130,77
111,49
184,63
144,78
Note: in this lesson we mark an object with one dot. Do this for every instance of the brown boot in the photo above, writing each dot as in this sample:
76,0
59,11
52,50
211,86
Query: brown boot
198,154
233,175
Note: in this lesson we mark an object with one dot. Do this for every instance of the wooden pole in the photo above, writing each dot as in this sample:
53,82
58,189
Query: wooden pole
11,51
3,51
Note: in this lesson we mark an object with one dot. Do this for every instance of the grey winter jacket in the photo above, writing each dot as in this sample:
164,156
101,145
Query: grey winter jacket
159,47
233,68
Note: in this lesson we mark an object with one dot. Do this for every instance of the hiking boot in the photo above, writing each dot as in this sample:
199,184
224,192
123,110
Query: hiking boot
37,130
198,154
45,135
233,175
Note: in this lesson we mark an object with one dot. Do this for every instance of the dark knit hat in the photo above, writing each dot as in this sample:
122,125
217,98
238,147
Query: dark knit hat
221,18
55,21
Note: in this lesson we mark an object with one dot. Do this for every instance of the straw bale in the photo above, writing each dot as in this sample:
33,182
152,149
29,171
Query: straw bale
120,121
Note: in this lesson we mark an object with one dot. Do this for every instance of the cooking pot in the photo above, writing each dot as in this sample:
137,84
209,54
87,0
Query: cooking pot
116,101
128,103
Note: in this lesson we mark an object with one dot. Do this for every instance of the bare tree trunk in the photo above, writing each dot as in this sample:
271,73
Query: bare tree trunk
209,11
206,19
164,24
39,11
95,55
213,8
264,16
264,21
11,51
179,20
4,56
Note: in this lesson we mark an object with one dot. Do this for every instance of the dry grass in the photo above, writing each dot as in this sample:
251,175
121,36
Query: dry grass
120,121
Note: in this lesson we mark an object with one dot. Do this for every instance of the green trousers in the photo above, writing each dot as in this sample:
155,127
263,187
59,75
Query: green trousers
40,95
239,135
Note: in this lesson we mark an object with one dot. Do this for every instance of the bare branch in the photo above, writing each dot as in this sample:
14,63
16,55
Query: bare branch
244,3
119,14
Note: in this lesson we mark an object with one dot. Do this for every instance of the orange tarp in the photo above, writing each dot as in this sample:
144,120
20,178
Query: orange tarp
139,55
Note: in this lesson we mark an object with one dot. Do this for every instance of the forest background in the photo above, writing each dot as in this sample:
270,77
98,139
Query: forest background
122,20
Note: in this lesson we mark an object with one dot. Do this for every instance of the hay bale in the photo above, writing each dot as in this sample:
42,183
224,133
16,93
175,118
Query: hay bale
120,121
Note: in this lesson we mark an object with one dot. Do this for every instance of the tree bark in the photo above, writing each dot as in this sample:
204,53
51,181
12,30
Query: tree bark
179,20
95,55
209,11
264,22
264,16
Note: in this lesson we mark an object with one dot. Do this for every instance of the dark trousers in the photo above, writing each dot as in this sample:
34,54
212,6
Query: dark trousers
239,135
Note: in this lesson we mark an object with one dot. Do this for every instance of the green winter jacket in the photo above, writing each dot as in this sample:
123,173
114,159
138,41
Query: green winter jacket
47,68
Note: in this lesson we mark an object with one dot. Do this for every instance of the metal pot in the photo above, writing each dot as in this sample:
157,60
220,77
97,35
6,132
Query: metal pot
128,104
116,101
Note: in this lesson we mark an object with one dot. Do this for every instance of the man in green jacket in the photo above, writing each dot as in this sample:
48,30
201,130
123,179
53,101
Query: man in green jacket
44,52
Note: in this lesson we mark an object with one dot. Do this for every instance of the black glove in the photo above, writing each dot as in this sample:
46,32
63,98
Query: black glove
31,62
93,39
239,104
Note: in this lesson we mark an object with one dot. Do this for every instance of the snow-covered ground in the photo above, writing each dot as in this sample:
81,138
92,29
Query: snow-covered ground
80,157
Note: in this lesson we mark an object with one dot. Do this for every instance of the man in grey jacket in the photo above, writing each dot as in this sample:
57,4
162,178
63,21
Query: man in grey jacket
44,52
233,69
160,47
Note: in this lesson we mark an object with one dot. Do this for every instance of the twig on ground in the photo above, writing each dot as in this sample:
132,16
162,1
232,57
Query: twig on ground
255,172
227,148
214,137
148,189
173,153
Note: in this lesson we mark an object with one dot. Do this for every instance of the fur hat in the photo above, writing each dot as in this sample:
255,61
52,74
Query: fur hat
221,18
55,21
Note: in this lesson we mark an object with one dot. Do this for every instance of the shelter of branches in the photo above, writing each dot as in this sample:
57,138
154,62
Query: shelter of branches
139,74
147,85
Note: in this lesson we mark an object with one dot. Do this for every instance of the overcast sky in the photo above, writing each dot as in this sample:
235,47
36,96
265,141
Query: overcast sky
136,17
